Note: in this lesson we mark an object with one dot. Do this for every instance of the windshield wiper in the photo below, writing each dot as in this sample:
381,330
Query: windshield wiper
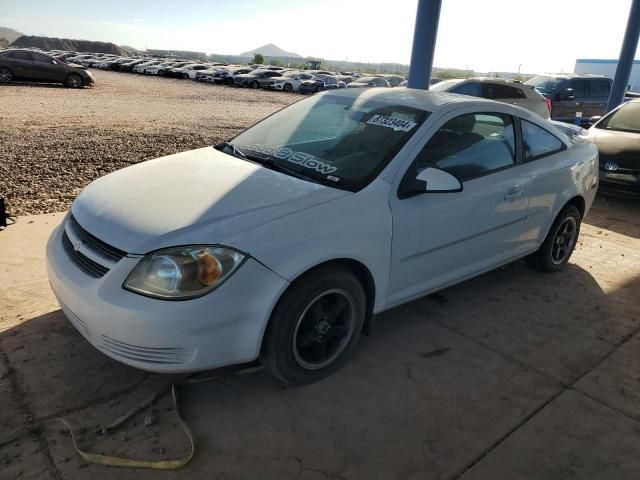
271,164
230,146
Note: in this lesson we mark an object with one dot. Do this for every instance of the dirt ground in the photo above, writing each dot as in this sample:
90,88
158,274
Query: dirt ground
512,375
56,140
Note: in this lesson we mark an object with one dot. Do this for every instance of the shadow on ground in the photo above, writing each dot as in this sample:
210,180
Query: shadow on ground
438,383
620,215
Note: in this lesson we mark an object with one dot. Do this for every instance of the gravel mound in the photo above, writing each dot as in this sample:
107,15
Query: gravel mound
54,140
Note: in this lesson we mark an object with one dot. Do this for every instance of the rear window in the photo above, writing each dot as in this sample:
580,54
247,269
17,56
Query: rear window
497,90
545,85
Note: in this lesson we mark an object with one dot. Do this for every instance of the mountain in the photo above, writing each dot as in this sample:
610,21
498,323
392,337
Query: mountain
9,33
270,50
47,43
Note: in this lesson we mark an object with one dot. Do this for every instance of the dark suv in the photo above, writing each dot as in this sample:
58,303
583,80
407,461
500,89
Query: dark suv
574,93
36,66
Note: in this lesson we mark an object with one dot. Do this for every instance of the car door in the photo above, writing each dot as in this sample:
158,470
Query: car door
22,64
443,238
46,70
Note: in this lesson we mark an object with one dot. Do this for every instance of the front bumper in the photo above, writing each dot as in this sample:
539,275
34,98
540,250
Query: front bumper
224,327
619,184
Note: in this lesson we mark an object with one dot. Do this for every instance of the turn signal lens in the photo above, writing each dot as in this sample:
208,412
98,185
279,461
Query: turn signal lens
183,272
210,269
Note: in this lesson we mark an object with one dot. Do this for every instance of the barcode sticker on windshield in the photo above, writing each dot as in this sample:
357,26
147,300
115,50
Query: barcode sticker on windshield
390,122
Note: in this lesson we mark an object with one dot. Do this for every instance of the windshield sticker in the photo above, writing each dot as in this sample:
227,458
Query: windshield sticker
300,158
395,123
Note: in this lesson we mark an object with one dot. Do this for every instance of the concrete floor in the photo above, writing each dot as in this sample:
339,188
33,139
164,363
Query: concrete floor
513,375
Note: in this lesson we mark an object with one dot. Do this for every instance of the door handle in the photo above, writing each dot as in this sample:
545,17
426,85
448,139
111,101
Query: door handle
514,193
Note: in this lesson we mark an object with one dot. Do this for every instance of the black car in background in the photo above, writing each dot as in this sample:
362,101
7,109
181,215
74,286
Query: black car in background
617,136
36,66
573,93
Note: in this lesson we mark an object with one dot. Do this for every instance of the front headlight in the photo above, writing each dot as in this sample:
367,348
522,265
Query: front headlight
183,272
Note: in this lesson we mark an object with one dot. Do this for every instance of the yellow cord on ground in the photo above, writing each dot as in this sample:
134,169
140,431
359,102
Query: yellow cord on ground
127,462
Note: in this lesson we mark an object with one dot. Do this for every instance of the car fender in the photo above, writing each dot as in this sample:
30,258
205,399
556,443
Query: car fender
582,163
354,227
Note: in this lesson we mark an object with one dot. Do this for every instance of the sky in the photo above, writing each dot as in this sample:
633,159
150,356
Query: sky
483,35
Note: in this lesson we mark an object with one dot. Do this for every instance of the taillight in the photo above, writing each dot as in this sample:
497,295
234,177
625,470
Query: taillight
548,102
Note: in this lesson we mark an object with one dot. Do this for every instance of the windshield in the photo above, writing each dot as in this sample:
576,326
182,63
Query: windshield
336,140
544,84
625,119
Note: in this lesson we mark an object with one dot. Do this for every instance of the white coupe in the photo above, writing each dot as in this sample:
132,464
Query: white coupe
282,243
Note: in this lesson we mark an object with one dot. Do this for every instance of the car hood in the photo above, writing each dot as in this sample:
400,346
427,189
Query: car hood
621,147
194,197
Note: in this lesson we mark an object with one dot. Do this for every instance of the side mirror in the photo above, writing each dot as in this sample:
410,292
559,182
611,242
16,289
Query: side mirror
429,180
372,84
567,94
594,119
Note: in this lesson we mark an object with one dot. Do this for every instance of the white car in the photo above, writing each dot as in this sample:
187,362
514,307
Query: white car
188,71
283,244
141,67
514,93
160,69
290,81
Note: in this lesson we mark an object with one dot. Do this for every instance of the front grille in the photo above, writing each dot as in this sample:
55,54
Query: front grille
158,355
85,264
95,244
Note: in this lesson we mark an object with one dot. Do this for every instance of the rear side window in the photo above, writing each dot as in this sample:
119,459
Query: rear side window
496,90
471,146
38,57
538,142
472,89
599,89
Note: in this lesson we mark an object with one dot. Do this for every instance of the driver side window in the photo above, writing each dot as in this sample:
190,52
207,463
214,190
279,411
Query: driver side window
471,146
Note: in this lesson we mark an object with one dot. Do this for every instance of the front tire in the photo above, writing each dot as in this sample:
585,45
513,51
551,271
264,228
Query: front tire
5,75
561,240
315,326
74,81
229,81
287,87
255,85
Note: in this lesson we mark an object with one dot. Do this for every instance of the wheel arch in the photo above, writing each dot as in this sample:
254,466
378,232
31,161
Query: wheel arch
577,201
359,269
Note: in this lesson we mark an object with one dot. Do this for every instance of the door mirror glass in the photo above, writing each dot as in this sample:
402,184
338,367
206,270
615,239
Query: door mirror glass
437,180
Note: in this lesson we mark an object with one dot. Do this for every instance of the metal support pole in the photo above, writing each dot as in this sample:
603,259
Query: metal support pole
627,54
424,43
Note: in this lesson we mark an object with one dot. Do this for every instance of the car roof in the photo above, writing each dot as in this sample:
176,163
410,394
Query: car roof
408,97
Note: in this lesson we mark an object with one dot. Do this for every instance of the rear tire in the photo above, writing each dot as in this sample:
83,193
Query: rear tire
555,251
161,73
74,81
315,326
229,81
185,76
5,75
